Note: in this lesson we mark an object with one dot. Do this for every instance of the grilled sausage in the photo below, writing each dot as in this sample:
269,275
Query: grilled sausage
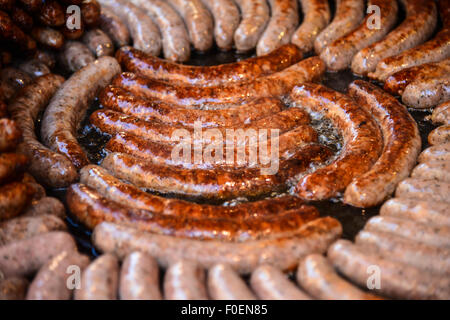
441,114
397,280
98,42
51,282
175,37
428,92
226,21
440,135
423,190
100,279
435,50
139,278
114,27
361,135
339,54
10,135
318,278
143,30
348,16
402,145
117,99
198,21
277,84
52,14
90,12
244,257
255,16
397,248
316,17
48,37
75,56
185,280
12,165
11,80
269,283
32,5
422,211
432,170
115,190
21,18
46,206
22,258
440,152
13,288
34,68
281,26
10,32
50,168
14,198
26,227
420,22
245,70
82,199
225,284
69,104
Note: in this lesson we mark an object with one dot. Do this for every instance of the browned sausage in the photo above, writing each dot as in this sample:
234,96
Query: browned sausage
48,37
429,92
13,288
441,114
14,198
34,68
52,14
12,166
32,5
362,141
46,206
90,12
75,55
9,31
440,135
22,19
46,57
11,80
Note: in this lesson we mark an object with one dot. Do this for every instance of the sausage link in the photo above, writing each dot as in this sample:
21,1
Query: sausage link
432,170
12,165
225,284
440,135
226,21
339,54
114,189
13,288
98,42
10,135
398,280
10,32
21,18
348,16
46,206
185,280
402,145
68,106
419,25
441,114
269,283
139,278
440,152
114,27
399,249
255,16
275,85
14,198
318,278
24,257
52,14
51,282
175,37
281,26
48,37
423,190
75,56
427,93
245,70
90,12
243,257
361,135
316,17
50,168
422,211
34,68
100,280
11,80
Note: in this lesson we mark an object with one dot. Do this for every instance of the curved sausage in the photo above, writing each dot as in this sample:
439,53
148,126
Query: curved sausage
118,99
440,135
98,42
422,211
50,168
245,70
276,85
14,198
281,26
400,249
339,54
139,278
362,141
185,280
225,284
114,27
255,16
226,20
82,199
51,282
100,280
269,283
114,189
316,17
441,114
398,280
348,16
75,56
435,50
440,152
143,30
68,106
428,92
243,257
432,170
402,145
12,165
175,37
319,279
419,25
213,184
24,257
